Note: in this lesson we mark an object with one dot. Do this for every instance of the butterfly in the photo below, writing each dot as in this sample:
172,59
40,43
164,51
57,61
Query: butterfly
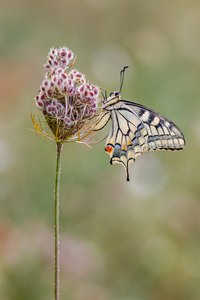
135,129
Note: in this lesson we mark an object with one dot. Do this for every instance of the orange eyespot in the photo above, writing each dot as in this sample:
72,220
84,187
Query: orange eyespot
108,148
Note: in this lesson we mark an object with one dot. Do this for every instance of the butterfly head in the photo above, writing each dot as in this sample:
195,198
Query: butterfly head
115,94
112,99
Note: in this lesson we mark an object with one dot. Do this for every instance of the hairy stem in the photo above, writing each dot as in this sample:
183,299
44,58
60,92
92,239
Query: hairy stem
56,224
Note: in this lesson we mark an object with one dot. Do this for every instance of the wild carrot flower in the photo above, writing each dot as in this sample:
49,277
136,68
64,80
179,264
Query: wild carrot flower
67,100
68,103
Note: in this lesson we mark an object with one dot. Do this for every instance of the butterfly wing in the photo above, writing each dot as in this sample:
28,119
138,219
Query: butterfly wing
102,120
137,129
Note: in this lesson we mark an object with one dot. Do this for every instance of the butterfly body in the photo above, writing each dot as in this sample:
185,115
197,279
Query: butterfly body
135,129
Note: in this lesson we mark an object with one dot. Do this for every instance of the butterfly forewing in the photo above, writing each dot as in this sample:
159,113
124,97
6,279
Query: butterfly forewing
102,120
161,132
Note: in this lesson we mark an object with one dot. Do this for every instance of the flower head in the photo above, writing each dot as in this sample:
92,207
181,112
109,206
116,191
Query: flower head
68,101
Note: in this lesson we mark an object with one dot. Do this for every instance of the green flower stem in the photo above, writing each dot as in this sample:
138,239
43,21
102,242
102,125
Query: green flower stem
56,224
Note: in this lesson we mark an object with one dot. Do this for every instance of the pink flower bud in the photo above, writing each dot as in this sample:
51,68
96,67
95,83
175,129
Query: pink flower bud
64,95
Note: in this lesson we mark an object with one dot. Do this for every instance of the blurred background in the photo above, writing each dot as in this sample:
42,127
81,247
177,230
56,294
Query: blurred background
119,241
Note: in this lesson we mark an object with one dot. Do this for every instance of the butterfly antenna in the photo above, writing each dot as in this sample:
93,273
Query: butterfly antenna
122,78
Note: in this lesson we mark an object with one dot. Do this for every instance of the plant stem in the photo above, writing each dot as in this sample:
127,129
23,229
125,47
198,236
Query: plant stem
56,224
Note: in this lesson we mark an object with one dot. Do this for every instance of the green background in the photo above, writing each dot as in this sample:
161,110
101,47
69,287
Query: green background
119,241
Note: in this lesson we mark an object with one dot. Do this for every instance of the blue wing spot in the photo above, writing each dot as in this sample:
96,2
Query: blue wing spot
140,126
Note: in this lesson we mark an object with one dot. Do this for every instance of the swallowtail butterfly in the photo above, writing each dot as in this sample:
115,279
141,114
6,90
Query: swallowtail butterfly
135,129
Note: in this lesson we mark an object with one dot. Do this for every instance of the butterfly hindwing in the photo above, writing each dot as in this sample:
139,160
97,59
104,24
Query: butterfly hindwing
137,129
